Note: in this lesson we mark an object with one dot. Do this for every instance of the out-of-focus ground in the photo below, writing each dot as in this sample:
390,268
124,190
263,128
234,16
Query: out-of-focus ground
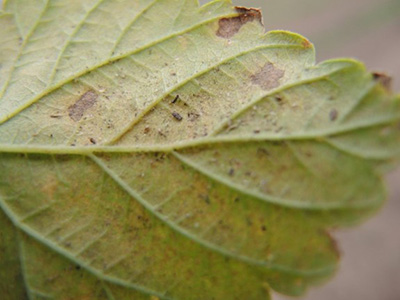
368,30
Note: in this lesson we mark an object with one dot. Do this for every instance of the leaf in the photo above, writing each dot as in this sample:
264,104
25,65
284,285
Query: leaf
162,150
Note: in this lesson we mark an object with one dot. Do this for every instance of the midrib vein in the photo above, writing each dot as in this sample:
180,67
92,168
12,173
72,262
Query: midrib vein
86,150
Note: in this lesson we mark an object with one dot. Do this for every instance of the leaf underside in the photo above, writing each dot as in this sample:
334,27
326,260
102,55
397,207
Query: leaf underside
156,149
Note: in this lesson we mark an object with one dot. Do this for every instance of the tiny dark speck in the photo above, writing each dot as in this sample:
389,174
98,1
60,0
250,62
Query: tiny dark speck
93,141
177,116
175,99
231,172
333,114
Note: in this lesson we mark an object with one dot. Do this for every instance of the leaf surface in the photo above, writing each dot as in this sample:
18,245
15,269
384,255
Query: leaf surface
163,150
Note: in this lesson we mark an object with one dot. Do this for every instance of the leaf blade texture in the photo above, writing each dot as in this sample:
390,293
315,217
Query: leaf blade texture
163,150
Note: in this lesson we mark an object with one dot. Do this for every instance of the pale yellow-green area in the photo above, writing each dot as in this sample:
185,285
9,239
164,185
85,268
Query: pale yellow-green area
163,150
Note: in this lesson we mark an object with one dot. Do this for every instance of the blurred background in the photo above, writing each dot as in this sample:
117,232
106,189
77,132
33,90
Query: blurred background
368,30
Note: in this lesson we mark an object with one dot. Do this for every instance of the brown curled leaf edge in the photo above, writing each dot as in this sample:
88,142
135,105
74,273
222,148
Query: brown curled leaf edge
157,149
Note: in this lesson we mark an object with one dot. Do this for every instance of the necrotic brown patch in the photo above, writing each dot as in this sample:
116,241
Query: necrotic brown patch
383,79
306,43
228,27
86,101
268,77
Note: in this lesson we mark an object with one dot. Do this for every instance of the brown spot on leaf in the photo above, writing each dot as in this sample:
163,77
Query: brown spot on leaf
334,245
193,116
175,99
86,101
306,43
268,77
206,198
177,116
333,114
383,79
228,27
55,116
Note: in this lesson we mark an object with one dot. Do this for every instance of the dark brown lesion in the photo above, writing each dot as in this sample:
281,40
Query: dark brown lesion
228,27
384,80
177,116
333,114
307,44
86,101
268,77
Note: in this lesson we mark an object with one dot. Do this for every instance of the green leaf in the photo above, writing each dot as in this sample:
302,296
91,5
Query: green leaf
162,150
